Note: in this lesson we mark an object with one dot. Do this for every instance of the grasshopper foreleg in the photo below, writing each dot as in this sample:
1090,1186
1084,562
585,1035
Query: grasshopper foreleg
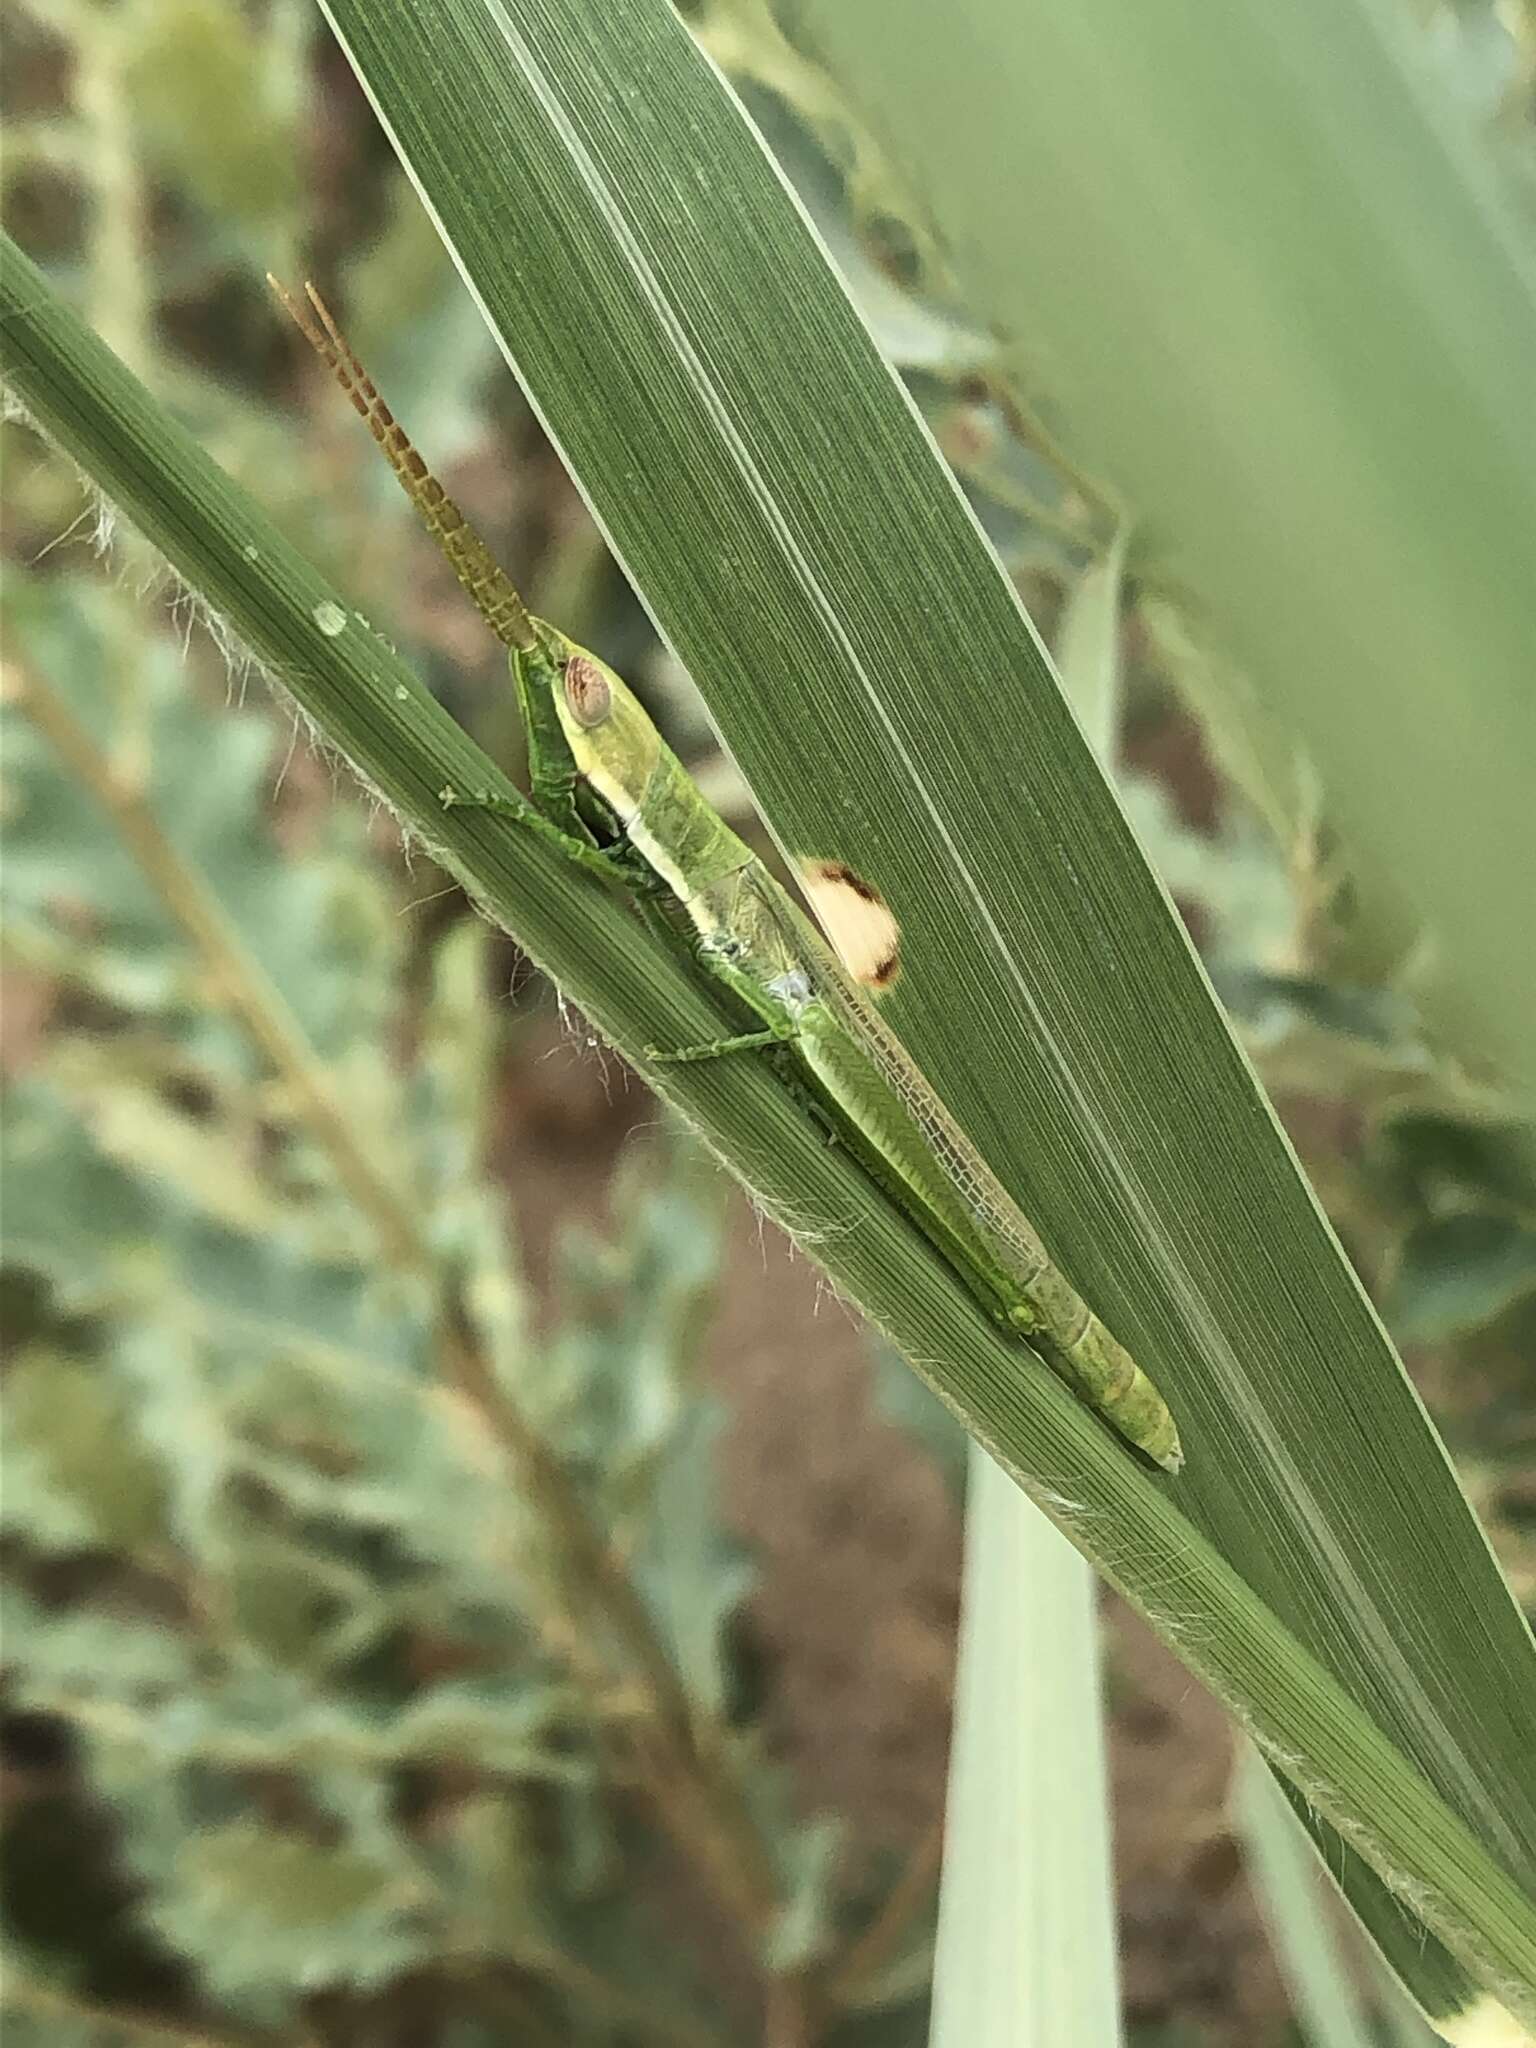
595,859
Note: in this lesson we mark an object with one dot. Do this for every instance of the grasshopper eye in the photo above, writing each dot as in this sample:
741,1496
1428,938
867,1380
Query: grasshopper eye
587,691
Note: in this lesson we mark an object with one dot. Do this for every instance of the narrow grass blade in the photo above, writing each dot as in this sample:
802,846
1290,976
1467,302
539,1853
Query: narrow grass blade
1287,1877
1026,1947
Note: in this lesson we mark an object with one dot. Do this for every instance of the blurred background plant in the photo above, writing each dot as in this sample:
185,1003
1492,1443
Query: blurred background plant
555,1687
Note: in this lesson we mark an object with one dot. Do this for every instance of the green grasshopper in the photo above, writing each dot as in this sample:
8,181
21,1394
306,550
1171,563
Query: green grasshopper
595,754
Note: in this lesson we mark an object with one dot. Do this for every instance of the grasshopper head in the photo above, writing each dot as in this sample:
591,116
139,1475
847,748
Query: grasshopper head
611,738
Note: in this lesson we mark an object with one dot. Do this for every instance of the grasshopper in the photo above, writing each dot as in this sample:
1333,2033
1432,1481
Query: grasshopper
595,753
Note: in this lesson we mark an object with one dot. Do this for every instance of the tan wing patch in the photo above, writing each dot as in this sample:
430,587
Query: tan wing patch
857,920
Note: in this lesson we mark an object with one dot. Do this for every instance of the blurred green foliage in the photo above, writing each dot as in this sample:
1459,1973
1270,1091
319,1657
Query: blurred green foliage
299,1609
299,1621
320,1728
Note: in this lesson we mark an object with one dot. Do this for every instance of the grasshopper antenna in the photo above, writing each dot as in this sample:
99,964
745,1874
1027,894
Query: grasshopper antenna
487,584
